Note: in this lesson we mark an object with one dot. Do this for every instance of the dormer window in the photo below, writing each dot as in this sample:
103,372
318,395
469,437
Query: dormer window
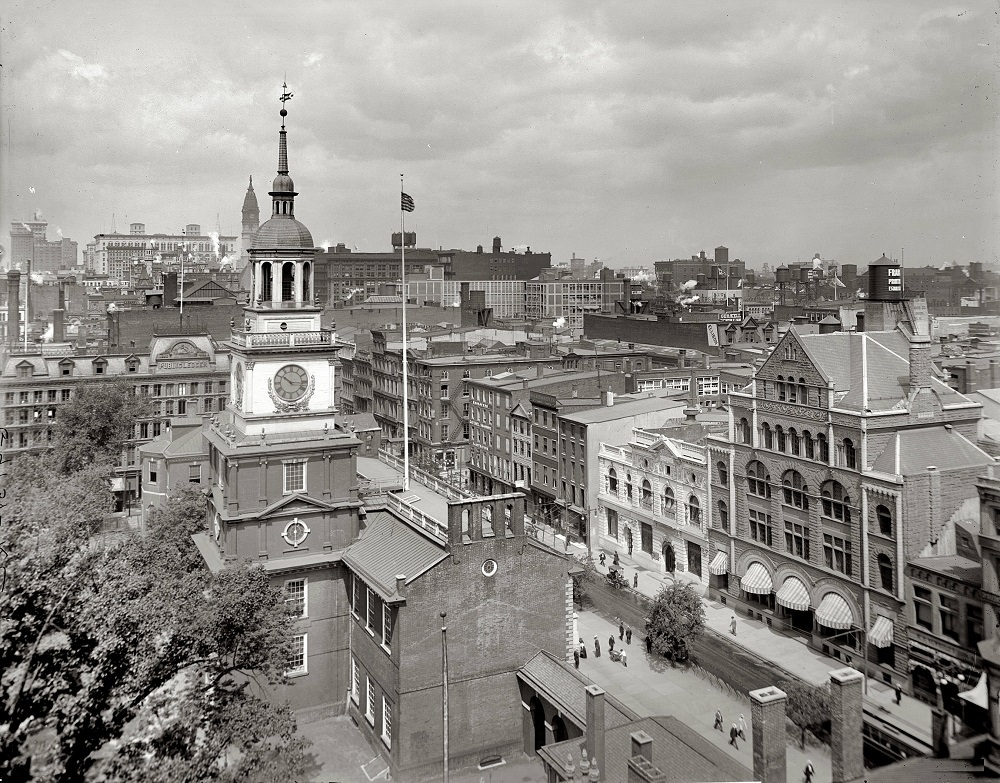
66,367
100,366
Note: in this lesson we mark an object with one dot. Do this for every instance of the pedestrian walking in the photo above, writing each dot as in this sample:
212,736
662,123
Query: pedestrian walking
611,642
583,649
628,635
899,693
603,559
733,734
743,727
732,626
597,647
649,644
718,720
615,559
576,659
621,630
635,581
809,772
624,658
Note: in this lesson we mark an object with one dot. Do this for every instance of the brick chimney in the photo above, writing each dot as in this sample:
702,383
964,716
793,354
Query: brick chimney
767,715
595,722
640,764
847,752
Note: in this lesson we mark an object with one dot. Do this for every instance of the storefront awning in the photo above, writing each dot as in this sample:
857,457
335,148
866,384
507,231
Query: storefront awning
978,695
719,564
756,580
881,633
833,612
793,594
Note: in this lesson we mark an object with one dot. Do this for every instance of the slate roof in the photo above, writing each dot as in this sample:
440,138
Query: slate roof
388,547
564,686
909,452
844,358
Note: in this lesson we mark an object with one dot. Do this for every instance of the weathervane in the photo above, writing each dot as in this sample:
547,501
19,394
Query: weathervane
285,96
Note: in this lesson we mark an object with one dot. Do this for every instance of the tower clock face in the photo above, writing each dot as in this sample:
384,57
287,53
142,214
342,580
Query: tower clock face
238,385
291,382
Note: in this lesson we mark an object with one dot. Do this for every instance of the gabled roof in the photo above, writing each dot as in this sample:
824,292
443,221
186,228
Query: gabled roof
389,547
910,452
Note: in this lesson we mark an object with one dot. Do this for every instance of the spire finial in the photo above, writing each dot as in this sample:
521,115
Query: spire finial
285,96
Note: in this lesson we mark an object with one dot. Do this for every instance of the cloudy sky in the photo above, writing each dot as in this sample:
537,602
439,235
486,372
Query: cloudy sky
628,132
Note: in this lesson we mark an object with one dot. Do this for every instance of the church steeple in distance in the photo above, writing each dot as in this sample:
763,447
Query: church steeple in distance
251,222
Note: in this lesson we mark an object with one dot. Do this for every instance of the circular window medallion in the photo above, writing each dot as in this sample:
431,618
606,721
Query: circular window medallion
295,532
489,567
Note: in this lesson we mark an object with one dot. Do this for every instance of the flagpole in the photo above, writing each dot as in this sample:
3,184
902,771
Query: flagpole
406,394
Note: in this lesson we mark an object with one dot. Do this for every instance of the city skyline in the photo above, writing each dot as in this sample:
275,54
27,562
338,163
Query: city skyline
850,131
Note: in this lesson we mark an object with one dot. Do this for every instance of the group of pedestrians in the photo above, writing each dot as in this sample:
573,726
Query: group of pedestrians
738,731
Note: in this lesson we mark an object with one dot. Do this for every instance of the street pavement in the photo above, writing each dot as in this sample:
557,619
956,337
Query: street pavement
786,652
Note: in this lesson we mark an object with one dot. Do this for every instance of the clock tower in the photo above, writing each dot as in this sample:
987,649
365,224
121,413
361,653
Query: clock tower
284,484
283,361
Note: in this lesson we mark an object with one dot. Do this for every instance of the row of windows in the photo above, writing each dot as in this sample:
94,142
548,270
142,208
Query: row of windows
803,444
949,616
372,612
386,732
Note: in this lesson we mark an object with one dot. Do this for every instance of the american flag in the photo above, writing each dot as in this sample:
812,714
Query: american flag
406,203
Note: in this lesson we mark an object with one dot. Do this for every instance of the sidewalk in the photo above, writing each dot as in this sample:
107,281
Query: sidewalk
651,686
787,652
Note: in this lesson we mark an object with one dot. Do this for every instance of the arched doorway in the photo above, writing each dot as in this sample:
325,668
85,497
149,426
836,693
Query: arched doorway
559,732
669,558
538,721
628,540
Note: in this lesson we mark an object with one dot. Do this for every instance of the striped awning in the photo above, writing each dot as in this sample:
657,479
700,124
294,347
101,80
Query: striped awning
834,612
756,580
793,594
881,633
719,564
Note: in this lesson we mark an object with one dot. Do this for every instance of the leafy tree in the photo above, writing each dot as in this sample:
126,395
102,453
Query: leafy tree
584,572
129,660
808,706
97,422
676,618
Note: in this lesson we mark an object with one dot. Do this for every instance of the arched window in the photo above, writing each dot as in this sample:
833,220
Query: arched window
794,442
647,494
823,448
850,455
768,435
486,516
758,480
612,481
723,473
795,490
780,386
628,486
744,433
836,502
779,437
807,441
885,571
694,511
265,282
287,282
884,517
667,505
723,518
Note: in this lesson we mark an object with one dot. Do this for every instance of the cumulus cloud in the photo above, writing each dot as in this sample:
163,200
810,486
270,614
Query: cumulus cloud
558,125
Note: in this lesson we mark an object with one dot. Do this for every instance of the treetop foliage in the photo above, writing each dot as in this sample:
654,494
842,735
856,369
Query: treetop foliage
676,619
128,659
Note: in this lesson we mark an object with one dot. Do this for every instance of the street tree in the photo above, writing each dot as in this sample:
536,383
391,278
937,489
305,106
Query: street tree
96,423
808,706
676,619
584,572
128,659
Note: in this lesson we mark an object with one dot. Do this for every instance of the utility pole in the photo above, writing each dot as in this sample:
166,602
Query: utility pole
444,690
